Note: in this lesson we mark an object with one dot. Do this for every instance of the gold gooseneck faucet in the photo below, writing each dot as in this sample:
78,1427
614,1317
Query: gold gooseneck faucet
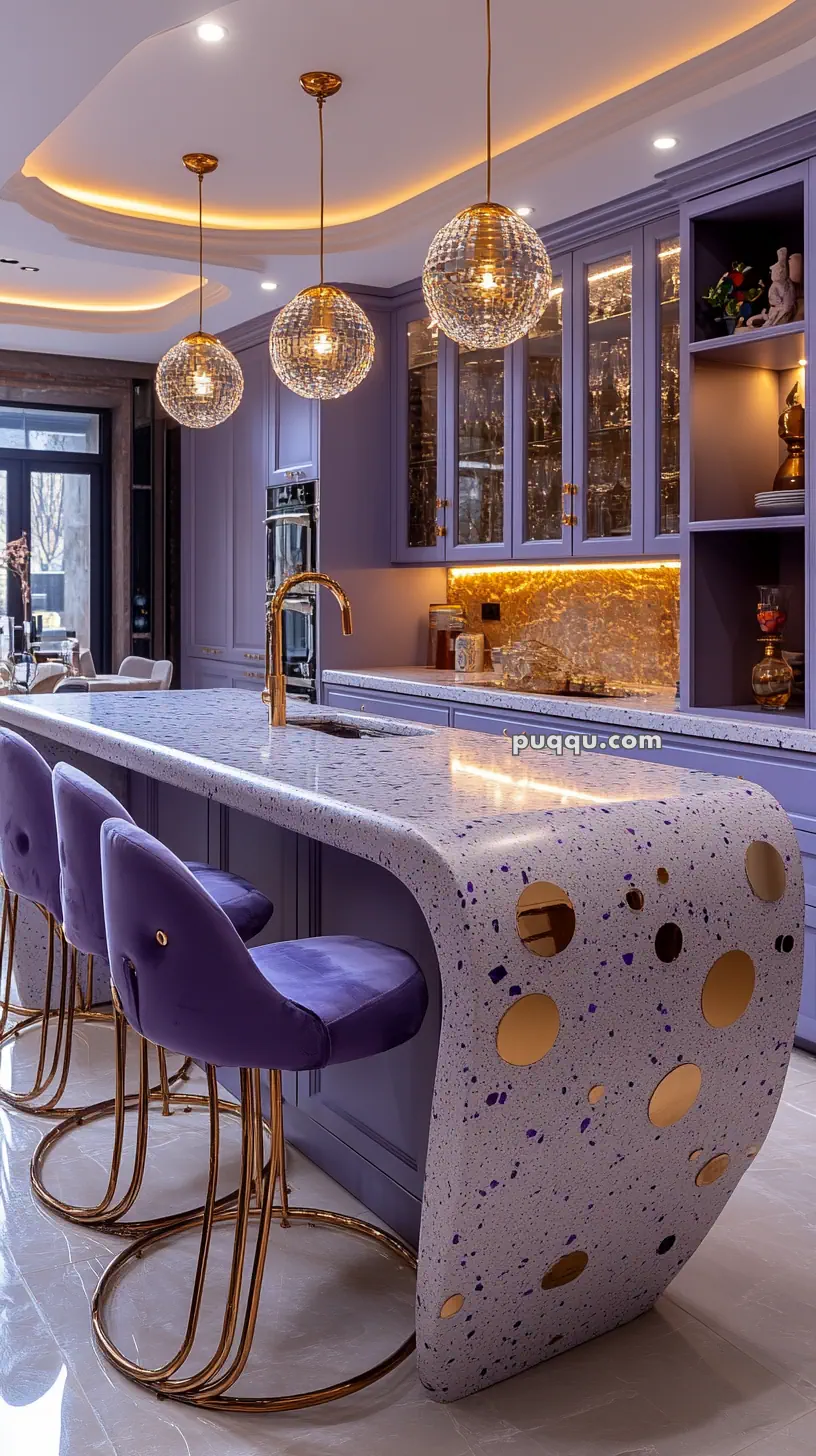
275,691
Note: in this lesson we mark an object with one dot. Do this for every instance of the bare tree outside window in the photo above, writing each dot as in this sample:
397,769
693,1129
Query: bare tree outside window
47,520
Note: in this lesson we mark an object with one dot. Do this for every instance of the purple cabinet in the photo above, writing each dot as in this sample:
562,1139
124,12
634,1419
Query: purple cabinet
207,540
294,424
250,478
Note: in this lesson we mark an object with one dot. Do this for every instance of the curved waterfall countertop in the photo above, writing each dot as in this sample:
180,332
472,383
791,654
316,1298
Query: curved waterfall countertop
620,947
656,712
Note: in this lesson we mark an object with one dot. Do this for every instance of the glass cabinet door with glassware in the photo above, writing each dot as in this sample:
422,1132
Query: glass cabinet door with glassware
541,447
661,354
419,511
479,426
608,397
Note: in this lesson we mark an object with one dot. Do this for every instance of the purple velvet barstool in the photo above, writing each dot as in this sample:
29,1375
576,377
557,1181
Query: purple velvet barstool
81,807
294,1006
30,866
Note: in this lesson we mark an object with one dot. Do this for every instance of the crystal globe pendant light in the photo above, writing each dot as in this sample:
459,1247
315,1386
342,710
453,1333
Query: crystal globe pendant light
487,276
199,382
321,344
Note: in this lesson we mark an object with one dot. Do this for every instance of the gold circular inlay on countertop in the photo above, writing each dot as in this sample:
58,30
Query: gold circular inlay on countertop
662,876
752,1151
596,1093
728,988
452,1306
675,1095
635,899
565,1269
765,869
527,1030
712,1170
545,918
698,1153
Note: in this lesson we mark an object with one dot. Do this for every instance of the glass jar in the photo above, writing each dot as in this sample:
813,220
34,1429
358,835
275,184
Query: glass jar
772,678
445,621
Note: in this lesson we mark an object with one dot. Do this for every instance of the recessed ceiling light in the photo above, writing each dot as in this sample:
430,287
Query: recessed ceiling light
28,268
210,31
525,211
15,261
664,143
269,285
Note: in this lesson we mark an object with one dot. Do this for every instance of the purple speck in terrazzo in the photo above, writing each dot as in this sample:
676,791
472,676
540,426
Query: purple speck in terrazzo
495,925
502,1099
515,990
592,1006
505,869
585,1124
494,1182
524,879
627,877
572,1238
606,914
628,958
497,974
492,1099
531,1132
470,887
455,1239
667,1028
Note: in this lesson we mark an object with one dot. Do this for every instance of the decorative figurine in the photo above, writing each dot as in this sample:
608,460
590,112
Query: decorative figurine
733,298
781,296
791,473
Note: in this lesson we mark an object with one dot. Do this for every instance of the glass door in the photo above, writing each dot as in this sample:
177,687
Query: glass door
420,510
662,382
55,498
542,447
480,524
609,398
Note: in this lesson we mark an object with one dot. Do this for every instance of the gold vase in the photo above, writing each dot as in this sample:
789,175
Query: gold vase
772,678
791,473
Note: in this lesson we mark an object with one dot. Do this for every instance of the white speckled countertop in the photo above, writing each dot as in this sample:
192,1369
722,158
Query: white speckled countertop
538,1231
656,712
433,780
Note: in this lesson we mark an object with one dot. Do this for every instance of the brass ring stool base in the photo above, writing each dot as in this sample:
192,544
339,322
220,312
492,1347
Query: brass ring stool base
107,1215
74,1006
208,1386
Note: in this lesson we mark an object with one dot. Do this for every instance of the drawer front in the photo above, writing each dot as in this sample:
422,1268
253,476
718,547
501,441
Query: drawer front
411,710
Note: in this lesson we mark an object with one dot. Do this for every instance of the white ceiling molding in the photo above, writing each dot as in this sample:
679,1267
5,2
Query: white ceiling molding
249,248
113,320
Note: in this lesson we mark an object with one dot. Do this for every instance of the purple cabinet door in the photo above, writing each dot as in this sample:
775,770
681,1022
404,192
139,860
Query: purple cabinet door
208,549
250,479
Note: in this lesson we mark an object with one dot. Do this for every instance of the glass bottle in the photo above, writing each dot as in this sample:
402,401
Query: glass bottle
772,678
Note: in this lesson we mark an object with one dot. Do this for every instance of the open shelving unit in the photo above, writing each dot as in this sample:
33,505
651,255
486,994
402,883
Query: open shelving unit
735,386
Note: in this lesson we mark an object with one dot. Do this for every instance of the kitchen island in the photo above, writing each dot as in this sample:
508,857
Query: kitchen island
614,955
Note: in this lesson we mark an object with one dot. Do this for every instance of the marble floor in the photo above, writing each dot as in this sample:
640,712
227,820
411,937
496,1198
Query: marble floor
726,1363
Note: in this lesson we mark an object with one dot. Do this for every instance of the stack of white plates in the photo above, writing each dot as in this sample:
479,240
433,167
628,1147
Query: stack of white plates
780,502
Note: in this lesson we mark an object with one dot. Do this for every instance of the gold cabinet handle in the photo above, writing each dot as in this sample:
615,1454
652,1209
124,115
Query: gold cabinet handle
569,488
254,656
568,520
441,530
212,651
441,504
258,675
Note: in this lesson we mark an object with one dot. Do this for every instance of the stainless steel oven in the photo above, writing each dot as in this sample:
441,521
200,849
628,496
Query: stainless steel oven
291,546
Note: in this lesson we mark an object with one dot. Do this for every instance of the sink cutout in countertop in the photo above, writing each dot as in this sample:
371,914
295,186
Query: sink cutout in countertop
355,729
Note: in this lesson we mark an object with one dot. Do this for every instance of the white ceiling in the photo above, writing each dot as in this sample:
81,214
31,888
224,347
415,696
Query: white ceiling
101,98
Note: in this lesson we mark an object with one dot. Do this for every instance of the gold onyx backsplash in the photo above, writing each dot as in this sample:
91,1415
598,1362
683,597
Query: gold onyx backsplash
616,622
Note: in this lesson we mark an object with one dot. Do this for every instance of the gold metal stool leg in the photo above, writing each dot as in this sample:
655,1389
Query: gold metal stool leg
208,1386
107,1214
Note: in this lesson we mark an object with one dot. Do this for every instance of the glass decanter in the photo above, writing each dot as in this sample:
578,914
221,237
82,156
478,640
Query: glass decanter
772,678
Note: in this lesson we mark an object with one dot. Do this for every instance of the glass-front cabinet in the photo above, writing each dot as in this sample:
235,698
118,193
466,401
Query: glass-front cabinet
661,524
478,523
542,524
608,393
567,443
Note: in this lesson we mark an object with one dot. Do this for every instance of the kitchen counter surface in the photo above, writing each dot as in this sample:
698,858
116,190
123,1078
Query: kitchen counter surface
555,1206
655,711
